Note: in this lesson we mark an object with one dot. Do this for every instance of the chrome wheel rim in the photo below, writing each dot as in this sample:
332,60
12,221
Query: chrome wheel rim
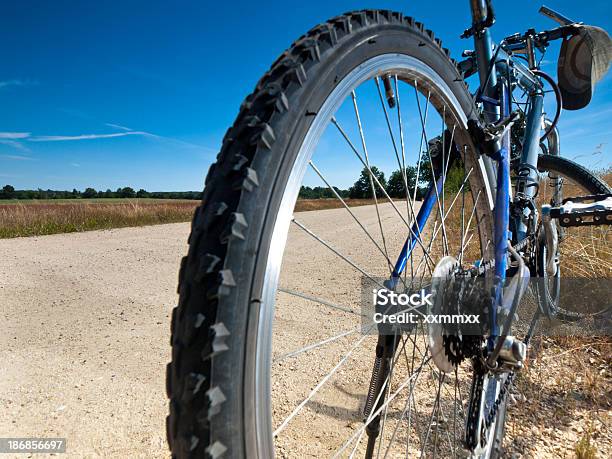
405,68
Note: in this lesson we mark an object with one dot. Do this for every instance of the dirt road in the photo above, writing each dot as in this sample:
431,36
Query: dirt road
86,330
85,338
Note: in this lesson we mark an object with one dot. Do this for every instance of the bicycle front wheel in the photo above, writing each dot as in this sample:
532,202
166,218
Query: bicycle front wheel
268,351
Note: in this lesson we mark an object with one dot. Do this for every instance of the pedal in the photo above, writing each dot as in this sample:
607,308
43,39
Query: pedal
590,210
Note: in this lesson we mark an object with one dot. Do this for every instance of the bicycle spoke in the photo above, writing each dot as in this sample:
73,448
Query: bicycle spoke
467,226
374,414
409,205
386,410
382,251
422,138
312,346
400,163
312,393
318,300
409,401
434,407
433,173
402,145
367,160
344,135
443,219
463,229
344,257
384,107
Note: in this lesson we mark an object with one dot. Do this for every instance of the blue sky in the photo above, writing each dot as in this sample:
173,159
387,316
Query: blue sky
135,93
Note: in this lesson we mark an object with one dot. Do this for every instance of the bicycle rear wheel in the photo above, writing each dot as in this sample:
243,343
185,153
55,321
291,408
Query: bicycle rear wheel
583,251
247,377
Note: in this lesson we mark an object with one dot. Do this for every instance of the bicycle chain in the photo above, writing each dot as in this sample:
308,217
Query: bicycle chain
503,392
490,418
479,383
490,264
476,393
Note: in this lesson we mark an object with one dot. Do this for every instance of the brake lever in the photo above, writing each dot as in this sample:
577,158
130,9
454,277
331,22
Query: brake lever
555,16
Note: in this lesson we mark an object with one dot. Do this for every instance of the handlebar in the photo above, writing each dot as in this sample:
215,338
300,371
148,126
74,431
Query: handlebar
542,39
557,33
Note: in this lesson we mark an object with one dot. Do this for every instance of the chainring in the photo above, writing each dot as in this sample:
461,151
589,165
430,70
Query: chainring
444,360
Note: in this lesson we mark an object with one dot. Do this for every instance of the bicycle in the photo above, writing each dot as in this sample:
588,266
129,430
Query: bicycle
229,388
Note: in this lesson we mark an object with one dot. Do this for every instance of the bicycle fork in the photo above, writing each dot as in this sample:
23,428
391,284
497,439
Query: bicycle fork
379,382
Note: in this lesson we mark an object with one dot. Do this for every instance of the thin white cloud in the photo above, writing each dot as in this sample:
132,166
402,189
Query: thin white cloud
9,138
118,126
17,157
164,138
6,83
13,143
14,135
75,164
126,131
63,138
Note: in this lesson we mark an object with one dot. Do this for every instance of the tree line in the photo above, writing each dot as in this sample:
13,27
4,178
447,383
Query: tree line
9,192
395,187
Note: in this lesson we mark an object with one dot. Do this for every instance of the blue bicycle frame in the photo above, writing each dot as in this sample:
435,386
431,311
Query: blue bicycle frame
497,71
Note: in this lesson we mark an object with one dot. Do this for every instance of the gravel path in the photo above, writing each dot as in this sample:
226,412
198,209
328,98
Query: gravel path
86,330
85,338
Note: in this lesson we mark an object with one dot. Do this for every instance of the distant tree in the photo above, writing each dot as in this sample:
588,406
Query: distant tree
8,192
89,193
425,174
343,193
396,187
454,179
321,192
127,192
305,192
362,188
454,176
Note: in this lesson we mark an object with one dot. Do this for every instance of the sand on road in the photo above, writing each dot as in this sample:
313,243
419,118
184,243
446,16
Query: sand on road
85,336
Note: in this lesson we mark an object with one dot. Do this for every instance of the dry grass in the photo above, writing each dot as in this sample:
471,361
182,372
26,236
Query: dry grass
564,395
585,251
40,217
563,398
48,217
332,203
584,448
562,401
